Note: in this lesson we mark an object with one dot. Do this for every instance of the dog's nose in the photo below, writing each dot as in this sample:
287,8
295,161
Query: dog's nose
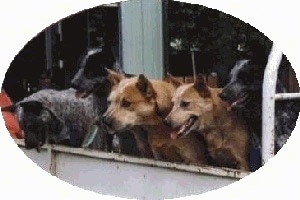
167,122
223,96
106,120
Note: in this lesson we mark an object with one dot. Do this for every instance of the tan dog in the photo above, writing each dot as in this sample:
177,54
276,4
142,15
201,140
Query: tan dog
198,107
139,102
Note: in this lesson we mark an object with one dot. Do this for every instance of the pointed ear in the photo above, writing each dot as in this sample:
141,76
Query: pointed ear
201,86
144,86
174,81
114,77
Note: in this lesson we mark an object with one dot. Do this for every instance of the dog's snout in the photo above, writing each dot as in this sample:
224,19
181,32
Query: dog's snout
222,95
167,122
75,84
106,120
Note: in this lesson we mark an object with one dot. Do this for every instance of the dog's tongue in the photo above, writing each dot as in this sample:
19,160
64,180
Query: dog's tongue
174,135
177,132
236,102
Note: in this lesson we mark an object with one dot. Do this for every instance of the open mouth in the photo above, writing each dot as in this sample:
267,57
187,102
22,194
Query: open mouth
238,102
184,129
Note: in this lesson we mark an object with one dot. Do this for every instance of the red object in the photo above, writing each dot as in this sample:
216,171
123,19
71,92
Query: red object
10,118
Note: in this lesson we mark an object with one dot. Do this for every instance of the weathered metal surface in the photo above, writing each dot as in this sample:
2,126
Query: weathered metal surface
268,105
216,171
131,177
41,159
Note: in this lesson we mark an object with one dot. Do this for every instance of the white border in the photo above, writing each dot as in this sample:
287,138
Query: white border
22,20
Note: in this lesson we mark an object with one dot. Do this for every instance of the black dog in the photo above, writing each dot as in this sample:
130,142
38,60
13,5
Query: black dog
91,78
57,117
244,94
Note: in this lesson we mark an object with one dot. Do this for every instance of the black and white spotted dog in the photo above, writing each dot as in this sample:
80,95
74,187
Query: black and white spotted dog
244,95
91,79
57,117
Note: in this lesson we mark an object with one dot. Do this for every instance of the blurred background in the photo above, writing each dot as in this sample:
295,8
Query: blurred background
191,37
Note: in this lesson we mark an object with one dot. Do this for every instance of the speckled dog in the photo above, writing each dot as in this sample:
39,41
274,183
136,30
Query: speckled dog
56,116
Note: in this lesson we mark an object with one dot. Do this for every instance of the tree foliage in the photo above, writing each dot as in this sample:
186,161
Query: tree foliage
209,31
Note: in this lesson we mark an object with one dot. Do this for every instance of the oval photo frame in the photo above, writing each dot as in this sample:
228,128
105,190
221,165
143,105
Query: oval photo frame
276,156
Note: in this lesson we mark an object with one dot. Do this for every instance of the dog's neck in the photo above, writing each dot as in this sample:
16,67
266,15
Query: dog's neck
220,117
155,129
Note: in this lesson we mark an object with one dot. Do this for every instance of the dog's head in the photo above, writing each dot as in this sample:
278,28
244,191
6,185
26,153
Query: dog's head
36,121
193,104
91,76
130,103
246,80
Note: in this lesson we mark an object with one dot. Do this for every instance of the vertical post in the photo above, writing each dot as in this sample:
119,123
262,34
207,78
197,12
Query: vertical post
142,37
59,27
52,157
194,66
87,29
48,46
268,106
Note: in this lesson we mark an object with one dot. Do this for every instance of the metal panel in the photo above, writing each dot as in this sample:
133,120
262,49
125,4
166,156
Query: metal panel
142,37
131,180
41,159
126,176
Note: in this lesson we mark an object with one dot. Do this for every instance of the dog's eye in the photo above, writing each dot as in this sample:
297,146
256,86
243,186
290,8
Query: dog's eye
125,103
184,104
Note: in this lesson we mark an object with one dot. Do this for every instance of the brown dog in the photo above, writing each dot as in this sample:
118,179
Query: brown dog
139,102
198,107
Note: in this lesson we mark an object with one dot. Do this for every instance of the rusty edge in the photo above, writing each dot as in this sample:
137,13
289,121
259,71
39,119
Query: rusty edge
208,170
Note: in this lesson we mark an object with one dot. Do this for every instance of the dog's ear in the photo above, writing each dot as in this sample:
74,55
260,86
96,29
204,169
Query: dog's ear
144,86
201,86
114,77
174,81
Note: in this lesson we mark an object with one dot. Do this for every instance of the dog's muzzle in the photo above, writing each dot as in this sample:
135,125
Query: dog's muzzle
167,122
107,121
224,96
